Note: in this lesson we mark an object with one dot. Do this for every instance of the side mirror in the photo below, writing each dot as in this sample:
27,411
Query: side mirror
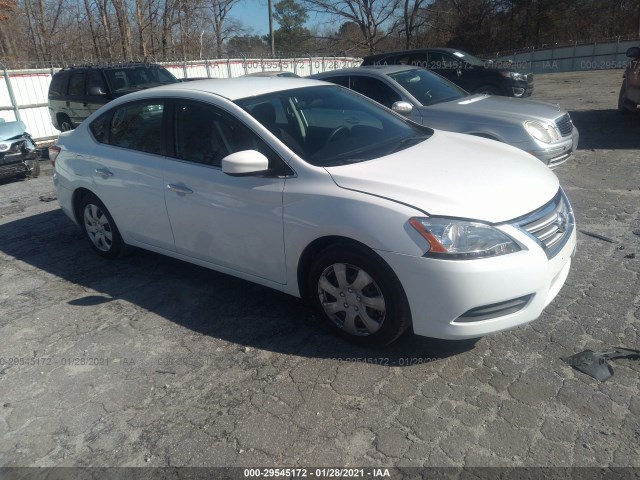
96,91
403,108
245,163
633,52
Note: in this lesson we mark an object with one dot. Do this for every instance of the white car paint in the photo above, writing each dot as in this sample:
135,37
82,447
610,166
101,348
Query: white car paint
258,228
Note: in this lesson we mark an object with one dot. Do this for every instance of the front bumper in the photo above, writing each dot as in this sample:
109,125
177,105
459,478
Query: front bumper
554,154
442,293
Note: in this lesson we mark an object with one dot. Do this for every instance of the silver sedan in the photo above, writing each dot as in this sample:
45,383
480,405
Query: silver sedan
541,129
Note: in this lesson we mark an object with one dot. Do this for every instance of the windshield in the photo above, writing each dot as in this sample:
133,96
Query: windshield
330,125
427,87
138,77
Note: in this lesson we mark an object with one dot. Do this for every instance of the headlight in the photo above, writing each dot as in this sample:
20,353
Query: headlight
514,75
4,147
543,132
457,239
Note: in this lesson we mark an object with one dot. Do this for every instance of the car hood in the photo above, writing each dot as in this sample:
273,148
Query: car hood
494,107
456,175
10,130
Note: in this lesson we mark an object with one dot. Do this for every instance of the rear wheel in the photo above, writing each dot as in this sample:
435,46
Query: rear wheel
65,123
359,295
101,230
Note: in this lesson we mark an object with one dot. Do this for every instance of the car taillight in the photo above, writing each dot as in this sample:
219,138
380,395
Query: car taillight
54,150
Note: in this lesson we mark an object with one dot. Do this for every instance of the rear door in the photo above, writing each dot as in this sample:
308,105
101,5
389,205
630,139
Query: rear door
127,165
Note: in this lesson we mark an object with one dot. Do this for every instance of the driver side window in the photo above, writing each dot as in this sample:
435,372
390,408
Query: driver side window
205,134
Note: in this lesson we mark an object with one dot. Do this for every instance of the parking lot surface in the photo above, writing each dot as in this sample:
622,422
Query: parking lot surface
149,361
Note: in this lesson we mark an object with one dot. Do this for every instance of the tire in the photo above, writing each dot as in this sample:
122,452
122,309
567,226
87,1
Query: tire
622,107
359,295
100,229
488,90
35,169
65,123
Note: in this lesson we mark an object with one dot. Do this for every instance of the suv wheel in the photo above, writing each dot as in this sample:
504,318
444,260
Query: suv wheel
65,123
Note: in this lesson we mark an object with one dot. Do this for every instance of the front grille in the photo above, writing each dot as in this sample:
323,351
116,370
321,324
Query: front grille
565,125
551,225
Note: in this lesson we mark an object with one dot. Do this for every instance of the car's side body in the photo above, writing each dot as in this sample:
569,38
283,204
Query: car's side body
270,226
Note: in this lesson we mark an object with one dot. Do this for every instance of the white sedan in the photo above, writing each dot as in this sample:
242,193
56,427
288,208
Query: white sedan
316,191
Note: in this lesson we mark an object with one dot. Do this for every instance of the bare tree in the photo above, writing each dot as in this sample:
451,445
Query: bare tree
370,16
413,19
223,28
8,10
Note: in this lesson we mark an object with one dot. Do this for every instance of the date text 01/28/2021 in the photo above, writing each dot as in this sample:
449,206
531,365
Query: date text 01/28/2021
316,472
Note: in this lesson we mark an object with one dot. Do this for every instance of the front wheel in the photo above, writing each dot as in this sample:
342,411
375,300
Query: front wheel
101,230
359,295
622,107
487,90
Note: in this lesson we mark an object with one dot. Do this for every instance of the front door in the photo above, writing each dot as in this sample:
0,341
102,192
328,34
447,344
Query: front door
233,222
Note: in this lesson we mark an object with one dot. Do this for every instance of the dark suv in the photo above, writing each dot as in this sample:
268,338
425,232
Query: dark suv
470,73
77,92
629,99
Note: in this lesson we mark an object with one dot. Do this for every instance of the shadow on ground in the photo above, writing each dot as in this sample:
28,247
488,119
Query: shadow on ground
607,129
197,298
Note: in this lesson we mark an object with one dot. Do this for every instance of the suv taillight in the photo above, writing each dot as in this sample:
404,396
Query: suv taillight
54,150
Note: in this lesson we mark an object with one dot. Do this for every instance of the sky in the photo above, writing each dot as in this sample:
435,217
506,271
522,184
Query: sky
254,15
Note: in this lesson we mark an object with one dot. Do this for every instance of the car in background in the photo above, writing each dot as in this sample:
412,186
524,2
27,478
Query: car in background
541,129
465,70
18,153
77,92
629,98
317,191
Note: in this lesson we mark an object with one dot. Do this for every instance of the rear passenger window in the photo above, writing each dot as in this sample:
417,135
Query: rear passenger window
76,84
342,80
138,126
100,126
58,84
375,90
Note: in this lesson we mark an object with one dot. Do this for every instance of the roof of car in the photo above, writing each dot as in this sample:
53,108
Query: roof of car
239,87
382,69
415,50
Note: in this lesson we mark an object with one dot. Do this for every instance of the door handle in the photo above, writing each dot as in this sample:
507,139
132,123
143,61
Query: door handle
104,172
180,189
